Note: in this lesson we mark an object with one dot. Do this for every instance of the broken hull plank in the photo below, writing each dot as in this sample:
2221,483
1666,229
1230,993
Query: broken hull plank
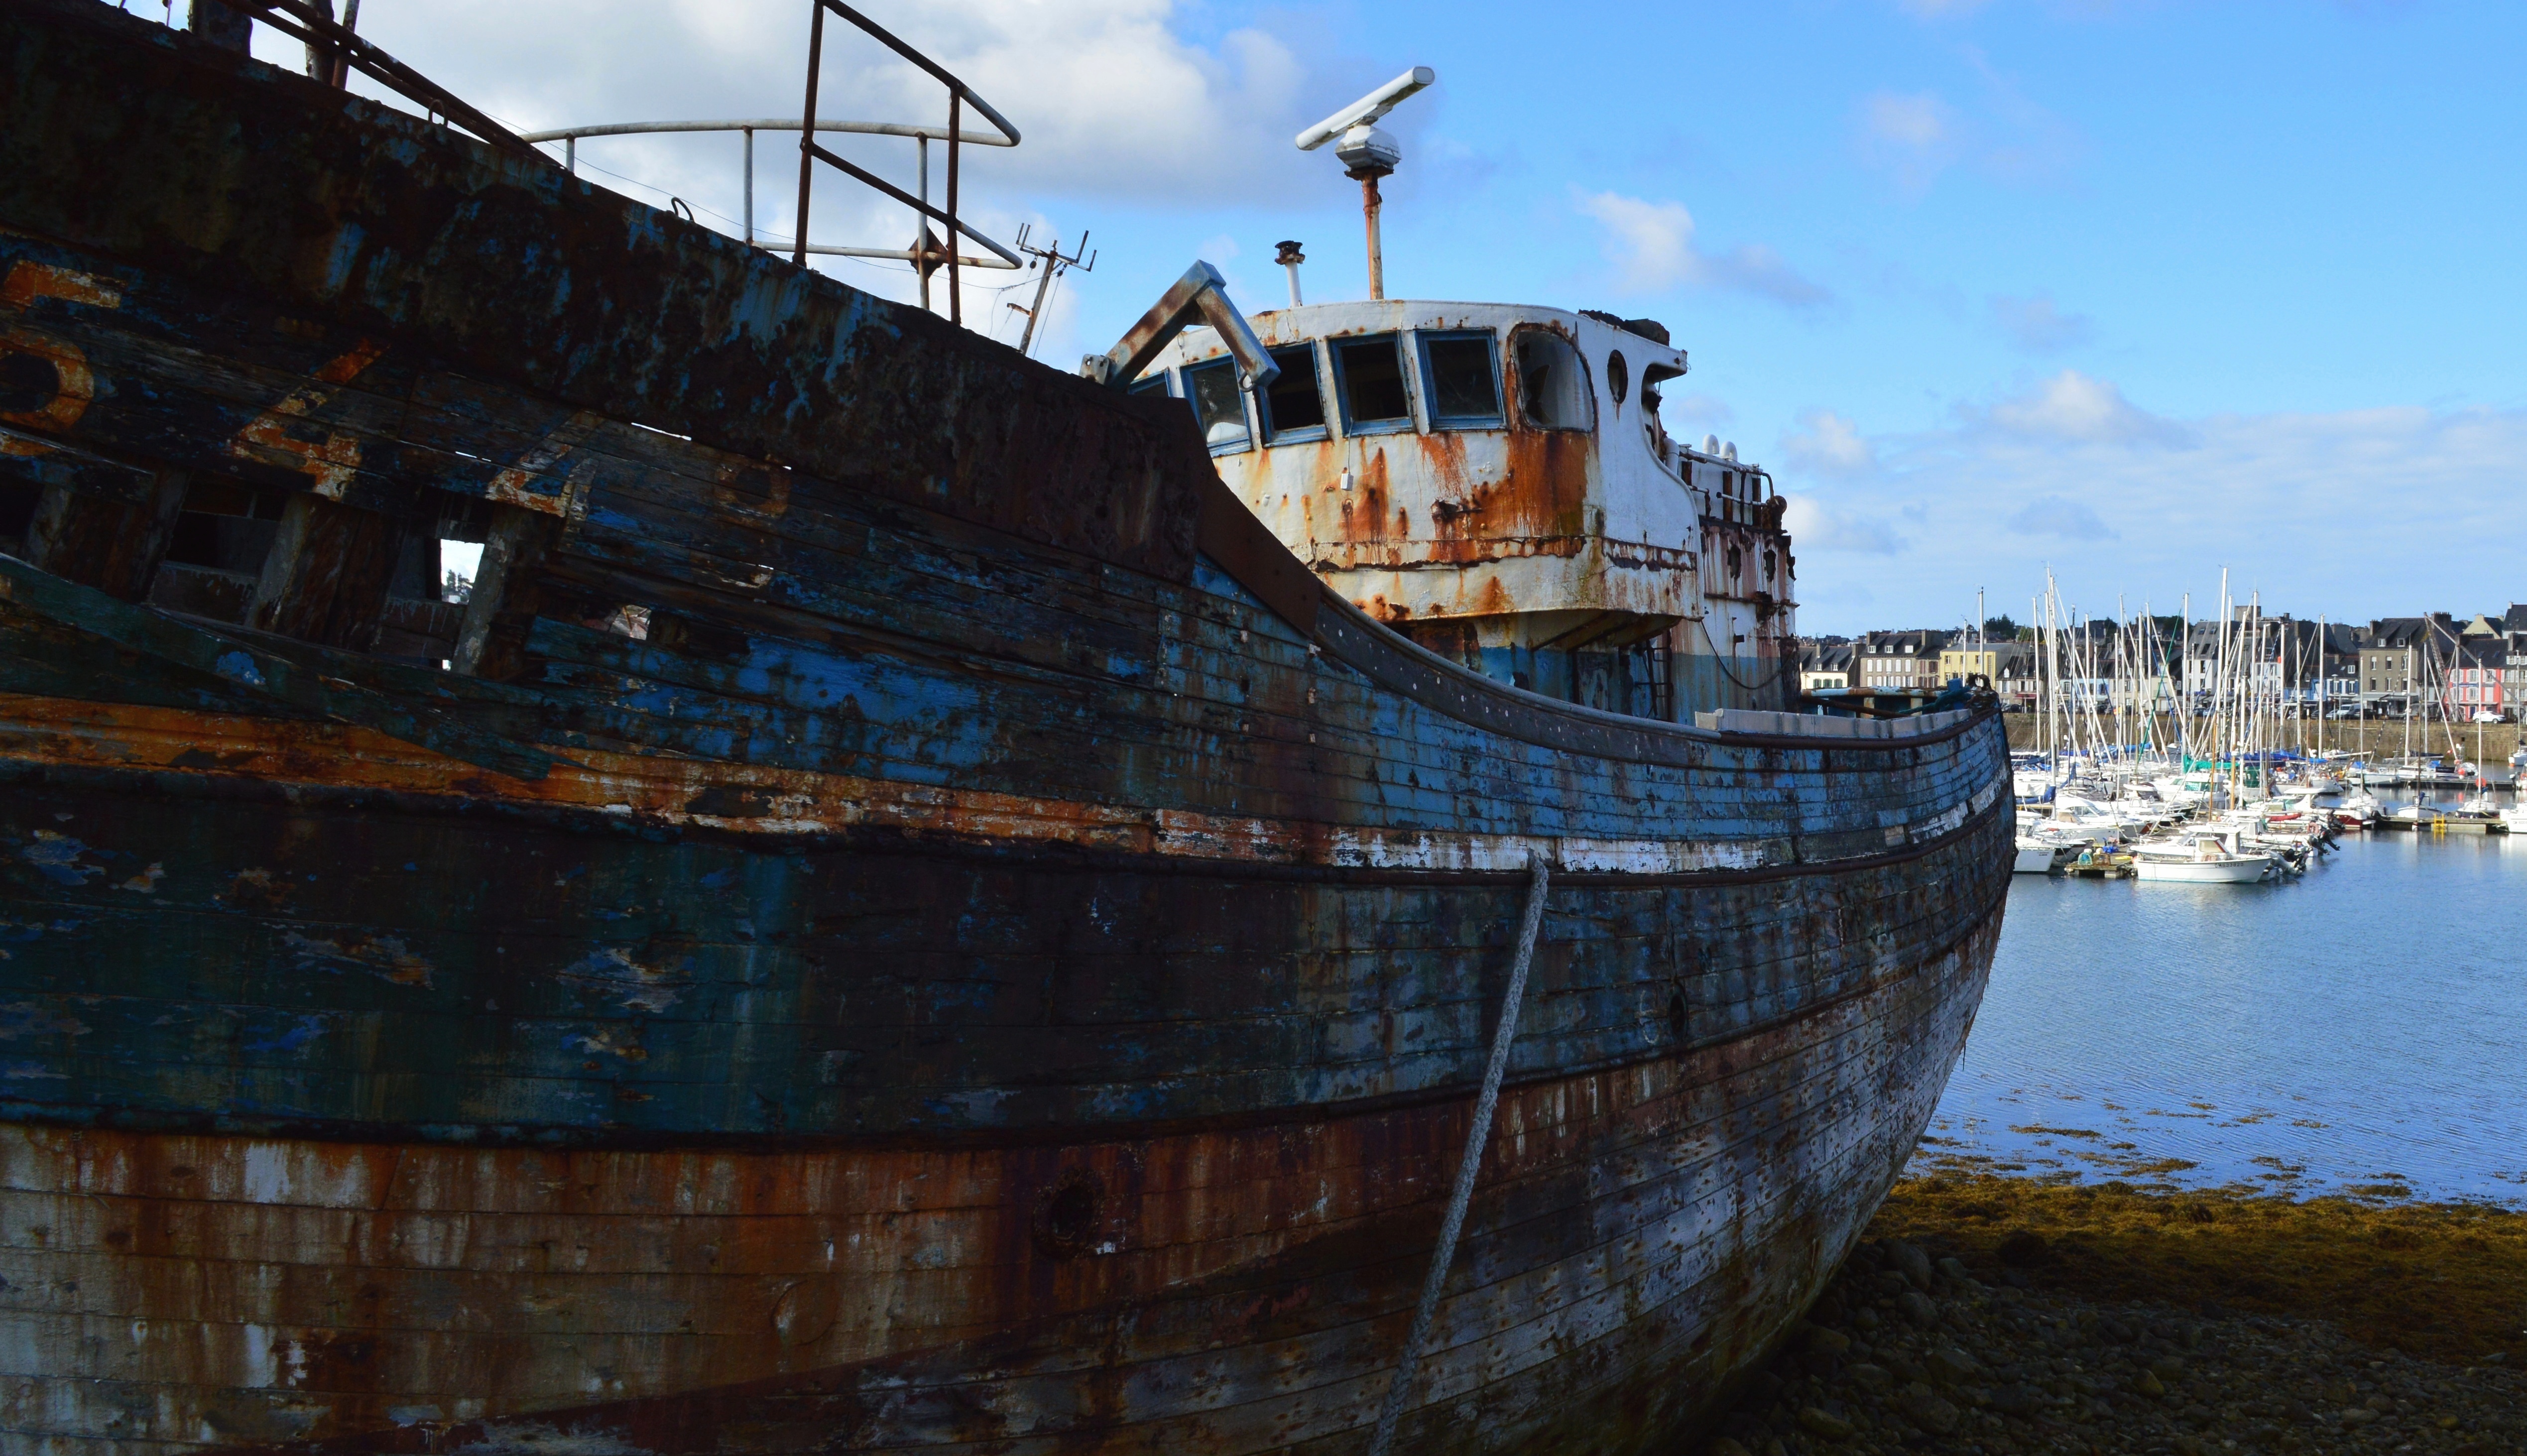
940,934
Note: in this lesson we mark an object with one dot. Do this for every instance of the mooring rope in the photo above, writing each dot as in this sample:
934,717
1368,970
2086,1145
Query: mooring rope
1409,1363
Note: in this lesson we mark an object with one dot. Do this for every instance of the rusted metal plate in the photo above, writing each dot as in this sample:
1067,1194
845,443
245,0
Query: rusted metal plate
921,931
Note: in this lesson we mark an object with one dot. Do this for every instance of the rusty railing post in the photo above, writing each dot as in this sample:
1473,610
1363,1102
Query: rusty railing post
807,129
955,287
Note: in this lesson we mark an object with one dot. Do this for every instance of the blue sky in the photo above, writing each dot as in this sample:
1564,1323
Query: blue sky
2132,291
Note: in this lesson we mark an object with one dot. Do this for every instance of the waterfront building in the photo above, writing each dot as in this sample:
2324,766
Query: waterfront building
2018,682
2202,659
2337,665
1972,653
1904,661
2475,677
1825,666
2392,657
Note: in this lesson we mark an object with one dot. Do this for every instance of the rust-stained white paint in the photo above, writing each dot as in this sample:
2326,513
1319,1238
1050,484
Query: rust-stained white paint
1526,536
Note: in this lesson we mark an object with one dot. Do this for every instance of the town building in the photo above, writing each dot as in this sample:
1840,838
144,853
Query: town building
2018,683
1975,654
2394,655
1898,661
2333,679
1825,666
2473,680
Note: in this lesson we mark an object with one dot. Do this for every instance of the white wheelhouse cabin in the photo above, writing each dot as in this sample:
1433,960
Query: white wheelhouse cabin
1494,482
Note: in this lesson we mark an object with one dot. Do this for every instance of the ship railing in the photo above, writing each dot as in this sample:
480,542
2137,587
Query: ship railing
960,96
334,49
929,257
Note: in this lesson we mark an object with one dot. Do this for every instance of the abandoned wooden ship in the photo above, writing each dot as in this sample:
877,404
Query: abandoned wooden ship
900,916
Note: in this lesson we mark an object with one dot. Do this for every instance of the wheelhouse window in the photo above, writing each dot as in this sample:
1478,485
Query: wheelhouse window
1653,377
1150,384
1370,374
1552,383
1461,380
1294,404
1218,405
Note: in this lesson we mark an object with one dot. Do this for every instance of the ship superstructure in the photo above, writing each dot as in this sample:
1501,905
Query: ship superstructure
1495,481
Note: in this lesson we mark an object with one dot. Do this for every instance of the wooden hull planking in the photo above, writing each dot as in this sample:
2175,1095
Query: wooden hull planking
927,928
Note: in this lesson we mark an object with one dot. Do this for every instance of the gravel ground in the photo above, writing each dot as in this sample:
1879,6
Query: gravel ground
1913,1351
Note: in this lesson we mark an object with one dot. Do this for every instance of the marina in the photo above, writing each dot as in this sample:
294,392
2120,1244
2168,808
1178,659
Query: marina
2239,1037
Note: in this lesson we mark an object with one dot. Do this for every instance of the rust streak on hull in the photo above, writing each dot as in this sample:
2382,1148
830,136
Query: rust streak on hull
363,1297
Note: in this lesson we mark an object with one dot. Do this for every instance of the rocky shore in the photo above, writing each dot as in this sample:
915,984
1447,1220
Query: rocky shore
2001,1316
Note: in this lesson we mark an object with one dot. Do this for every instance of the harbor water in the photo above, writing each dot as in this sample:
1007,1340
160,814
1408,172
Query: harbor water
2360,1030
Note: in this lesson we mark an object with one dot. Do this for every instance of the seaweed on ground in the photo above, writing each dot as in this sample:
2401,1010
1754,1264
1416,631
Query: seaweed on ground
2443,1281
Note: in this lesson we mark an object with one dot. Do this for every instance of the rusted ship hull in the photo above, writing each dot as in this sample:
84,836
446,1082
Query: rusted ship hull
918,925
1642,1233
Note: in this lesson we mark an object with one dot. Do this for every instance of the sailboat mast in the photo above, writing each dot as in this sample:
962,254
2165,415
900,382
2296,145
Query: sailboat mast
2219,686
2184,682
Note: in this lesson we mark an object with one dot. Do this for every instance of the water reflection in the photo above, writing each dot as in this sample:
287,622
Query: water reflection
2364,1028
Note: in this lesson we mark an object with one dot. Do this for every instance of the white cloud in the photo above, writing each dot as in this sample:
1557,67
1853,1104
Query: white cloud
1108,99
1828,443
1698,409
2059,516
1653,249
1816,526
1920,121
2077,408
1915,136
2298,505
2038,325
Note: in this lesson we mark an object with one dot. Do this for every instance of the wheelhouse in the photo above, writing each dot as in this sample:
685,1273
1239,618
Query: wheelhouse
1497,483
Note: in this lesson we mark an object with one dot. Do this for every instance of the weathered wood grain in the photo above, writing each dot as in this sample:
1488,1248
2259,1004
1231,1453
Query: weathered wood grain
674,1264
915,925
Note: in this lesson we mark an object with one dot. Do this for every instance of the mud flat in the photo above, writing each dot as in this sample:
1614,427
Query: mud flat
2009,1315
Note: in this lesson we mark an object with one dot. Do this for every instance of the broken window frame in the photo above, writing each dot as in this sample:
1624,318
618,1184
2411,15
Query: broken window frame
1352,425
1227,366
1273,433
1498,418
1528,416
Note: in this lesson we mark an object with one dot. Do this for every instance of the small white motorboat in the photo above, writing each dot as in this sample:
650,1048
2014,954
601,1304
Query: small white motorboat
2202,856
2358,809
